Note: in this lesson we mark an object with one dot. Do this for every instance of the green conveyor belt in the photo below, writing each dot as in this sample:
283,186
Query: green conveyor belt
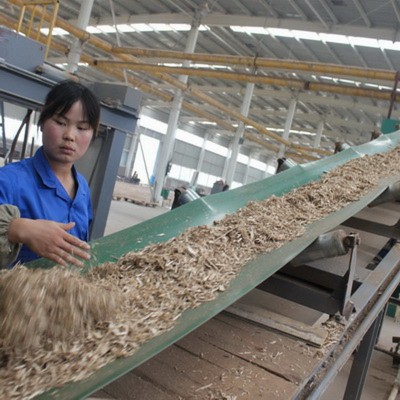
205,211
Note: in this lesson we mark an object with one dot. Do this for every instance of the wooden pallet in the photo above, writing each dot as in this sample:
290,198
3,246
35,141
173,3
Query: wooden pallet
134,201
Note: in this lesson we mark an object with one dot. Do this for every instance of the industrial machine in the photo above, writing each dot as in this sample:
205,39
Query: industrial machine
345,266
183,196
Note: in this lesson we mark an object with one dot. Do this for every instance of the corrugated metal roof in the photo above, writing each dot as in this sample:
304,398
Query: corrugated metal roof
345,117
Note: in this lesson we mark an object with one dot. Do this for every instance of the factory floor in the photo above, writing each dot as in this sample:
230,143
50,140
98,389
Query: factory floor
381,374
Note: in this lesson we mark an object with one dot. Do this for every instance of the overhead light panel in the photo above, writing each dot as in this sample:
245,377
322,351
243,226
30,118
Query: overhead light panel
125,28
106,28
281,32
334,38
180,27
389,45
93,29
160,27
306,35
142,27
360,41
249,29
55,32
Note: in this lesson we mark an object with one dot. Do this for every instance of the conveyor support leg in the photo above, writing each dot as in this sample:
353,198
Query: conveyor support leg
362,360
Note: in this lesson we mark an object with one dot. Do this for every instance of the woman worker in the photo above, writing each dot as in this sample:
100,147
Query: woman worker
52,197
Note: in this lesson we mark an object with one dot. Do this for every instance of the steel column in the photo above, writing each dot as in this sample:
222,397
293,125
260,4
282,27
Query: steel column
362,359
246,174
83,19
200,161
239,134
320,128
169,140
100,168
288,125
131,154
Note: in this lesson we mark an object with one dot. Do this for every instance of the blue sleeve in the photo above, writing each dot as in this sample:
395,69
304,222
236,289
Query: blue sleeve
84,216
7,188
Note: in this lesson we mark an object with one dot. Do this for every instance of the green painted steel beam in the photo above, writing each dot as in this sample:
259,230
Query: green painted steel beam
205,211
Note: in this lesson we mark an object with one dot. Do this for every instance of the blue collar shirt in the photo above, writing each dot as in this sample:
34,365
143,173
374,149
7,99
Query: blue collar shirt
32,186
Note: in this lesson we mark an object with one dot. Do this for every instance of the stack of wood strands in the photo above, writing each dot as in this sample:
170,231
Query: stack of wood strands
152,287
55,304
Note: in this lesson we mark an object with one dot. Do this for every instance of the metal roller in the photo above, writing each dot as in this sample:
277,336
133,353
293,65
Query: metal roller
392,193
284,163
331,244
183,196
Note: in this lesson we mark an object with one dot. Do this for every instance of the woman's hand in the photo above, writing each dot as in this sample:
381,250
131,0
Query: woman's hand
49,239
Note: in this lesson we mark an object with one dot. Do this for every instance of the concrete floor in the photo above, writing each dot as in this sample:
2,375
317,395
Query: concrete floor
124,214
381,374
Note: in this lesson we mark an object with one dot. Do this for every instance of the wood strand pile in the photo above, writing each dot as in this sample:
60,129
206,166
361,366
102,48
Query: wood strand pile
54,304
155,285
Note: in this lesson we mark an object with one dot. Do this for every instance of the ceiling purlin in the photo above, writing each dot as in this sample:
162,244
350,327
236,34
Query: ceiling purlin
308,108
396,9
209,46
359,55
139,40
241,5
261,48
157,6
156,40
229,48
114,7
269,9
331,14
282,44
173,40
298,10
362,12
335,57
387,59
307,48
313,9
139,7
239,48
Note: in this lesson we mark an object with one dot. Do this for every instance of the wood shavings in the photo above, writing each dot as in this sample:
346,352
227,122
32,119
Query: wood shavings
37,305
157,284
335,331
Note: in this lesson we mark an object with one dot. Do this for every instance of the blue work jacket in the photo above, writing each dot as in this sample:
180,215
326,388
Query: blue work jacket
31,185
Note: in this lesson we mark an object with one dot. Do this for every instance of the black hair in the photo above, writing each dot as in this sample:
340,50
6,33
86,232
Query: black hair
61,98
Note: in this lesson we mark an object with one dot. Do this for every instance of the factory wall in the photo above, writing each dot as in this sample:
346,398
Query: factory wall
187,155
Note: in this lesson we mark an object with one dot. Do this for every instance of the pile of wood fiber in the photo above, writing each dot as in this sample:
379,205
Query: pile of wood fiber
55,304
161,281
